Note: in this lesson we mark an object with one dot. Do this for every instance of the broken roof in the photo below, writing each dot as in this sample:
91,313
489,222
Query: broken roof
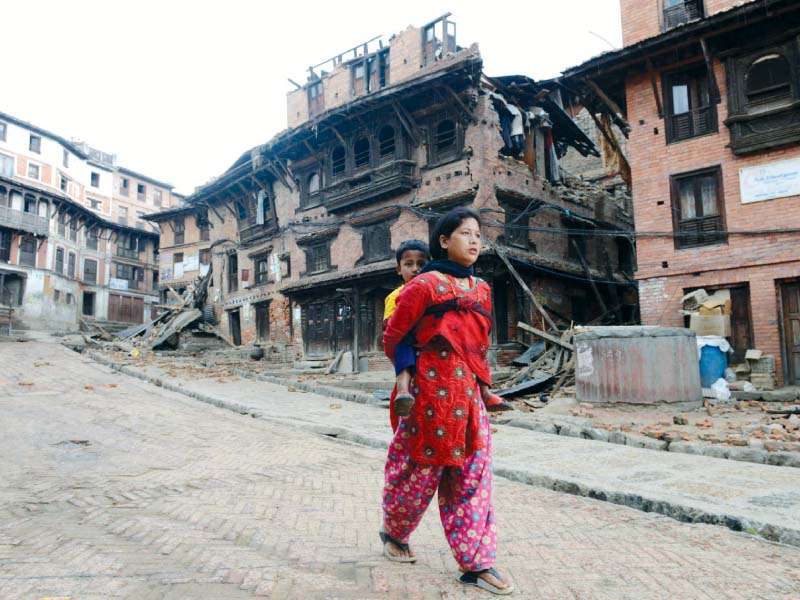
721,22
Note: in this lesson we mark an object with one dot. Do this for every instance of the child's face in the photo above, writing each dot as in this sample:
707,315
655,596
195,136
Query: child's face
464,244
411,263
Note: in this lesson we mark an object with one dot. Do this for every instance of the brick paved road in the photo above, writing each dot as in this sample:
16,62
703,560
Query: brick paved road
113,488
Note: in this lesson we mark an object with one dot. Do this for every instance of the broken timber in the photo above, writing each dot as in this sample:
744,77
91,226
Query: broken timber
546,336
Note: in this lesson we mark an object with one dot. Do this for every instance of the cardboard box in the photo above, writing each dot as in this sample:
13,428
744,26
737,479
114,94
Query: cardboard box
719,325
763,381
693,300
715,307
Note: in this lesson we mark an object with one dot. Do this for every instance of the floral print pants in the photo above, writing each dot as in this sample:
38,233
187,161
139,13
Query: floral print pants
465,499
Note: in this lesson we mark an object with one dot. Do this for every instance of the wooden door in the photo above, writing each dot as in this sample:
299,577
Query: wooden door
235,327
741,331
790,293
125,309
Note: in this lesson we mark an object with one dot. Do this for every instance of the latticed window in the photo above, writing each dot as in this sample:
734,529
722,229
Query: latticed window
768,80
361,152
59,261
386,143
677,12
179,229
91,239
338,161
690,111
697,209
318,258
377,242
262,270
90,271
71,264
444,141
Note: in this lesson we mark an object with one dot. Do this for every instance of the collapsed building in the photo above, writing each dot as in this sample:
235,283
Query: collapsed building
383,139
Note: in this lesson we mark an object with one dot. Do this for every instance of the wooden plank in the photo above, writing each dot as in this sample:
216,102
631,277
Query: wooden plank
616,111
501,253
712,77
589,276
332,367
654,83
546,336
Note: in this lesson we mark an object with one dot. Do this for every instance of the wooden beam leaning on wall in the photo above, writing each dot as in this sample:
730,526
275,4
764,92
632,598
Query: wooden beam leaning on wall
408,123
501,253
615,110
654,83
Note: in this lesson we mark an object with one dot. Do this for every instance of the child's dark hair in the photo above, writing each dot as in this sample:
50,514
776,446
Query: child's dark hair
446,225
412,245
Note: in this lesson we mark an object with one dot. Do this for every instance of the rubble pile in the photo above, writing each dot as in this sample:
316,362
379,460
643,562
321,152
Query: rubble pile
191,311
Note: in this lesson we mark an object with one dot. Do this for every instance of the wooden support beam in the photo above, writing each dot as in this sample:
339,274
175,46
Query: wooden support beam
588,274
616,111
546,336
408,123
654,83
338,135
460,102
713,88
501,253
214,210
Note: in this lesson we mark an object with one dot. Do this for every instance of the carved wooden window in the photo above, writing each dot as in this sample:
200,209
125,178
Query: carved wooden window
768,81
71,264
376,242
386,143
445,141
697,208
313,184
91,238
338,156
180,231
318,258
262,270
316,100
59,261
361,153
233,272
90,271
677,12
690,111
62,224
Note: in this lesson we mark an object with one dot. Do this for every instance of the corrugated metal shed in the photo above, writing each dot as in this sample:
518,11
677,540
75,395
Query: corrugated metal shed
637,365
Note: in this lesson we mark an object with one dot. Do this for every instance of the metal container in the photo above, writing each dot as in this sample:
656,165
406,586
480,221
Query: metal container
637,365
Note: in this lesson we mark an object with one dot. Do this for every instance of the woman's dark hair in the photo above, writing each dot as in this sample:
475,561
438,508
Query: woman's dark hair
446,225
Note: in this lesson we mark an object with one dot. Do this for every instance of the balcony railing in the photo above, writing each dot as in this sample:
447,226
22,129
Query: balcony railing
693,123
128,253
388,179
22,221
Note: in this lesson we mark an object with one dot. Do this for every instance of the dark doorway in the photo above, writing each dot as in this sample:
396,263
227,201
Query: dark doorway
790,295
235,327
741,328
262,321
327,327
88,304
501,289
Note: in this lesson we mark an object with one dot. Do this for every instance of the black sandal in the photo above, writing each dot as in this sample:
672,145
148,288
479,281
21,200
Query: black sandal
474,578
403,403
387,539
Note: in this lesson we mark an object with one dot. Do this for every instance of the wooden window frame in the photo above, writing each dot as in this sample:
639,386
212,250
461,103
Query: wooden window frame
376,241
86,272
714,237
668,81
35,143
317,254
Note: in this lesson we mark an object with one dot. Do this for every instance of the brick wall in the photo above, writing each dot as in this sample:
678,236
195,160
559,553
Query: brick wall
665,272
641,19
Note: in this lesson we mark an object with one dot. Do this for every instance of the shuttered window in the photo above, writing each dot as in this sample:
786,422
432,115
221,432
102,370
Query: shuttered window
697,208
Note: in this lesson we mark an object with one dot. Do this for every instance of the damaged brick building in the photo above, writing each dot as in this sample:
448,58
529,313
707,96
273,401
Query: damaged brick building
711,92
382,140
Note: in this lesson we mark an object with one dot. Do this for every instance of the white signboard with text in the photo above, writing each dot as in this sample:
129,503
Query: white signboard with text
770,181
118,284
191,262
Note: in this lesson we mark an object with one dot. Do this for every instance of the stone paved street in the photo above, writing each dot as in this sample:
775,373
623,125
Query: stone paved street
114,488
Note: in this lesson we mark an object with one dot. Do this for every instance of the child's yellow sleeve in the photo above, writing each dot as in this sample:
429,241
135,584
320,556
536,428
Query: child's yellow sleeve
390,303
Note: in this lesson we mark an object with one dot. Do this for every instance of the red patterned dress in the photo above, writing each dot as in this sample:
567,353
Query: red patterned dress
444,445
451,329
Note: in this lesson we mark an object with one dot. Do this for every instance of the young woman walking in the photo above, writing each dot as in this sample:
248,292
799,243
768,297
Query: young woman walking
445,443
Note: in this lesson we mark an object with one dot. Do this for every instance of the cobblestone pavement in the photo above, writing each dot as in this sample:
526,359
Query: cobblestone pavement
114,488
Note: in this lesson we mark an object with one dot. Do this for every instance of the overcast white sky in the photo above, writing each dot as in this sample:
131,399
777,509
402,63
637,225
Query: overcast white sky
178,90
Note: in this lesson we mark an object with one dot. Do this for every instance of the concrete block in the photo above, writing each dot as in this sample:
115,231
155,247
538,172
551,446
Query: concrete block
591,433
747,455
617,437
784,459
685,448
641,441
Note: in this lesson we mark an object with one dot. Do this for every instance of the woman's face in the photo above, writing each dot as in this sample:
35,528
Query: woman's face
463,245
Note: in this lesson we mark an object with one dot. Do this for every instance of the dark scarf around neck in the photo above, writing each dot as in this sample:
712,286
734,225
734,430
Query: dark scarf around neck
448,267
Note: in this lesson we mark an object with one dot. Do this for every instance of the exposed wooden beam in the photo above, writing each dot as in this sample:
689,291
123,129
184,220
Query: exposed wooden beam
713,88
214,210
501,253
407,122
338,135
588,274
654,84
616,111
461,104
546,336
